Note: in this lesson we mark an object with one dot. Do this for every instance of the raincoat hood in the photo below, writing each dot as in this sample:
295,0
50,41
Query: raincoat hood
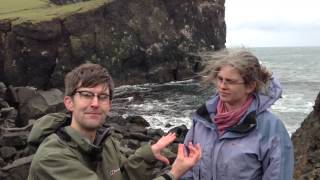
59,123
268,98
47,125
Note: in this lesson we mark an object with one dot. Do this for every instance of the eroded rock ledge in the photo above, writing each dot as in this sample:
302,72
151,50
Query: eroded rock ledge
137,40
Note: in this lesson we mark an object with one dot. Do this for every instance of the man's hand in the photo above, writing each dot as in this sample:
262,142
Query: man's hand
162,143
184,162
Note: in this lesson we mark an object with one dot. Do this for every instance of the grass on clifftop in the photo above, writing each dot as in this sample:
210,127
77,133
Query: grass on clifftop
18,11
11,6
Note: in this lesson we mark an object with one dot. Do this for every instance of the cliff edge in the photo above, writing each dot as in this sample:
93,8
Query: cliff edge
139,41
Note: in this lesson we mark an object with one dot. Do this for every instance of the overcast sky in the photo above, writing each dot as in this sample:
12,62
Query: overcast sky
260,23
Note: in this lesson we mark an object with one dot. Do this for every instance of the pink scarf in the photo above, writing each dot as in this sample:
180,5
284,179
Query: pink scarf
225,119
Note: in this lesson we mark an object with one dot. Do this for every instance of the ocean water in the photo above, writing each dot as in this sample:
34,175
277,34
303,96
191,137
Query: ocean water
171,104
297,68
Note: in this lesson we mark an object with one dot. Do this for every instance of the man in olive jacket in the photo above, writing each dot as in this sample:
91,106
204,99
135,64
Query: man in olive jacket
79,147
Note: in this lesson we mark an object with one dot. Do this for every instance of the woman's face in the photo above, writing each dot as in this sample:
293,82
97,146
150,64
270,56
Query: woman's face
231,87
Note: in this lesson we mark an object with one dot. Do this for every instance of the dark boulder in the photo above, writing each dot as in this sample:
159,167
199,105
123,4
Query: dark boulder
15,139
7,152
18,170
138,120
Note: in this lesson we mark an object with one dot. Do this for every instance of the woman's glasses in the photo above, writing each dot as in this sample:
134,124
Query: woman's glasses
228,82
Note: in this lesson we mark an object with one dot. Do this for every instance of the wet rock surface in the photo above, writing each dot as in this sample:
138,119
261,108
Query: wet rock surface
306,142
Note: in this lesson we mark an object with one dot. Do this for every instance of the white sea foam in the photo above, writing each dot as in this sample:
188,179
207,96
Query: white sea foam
160,121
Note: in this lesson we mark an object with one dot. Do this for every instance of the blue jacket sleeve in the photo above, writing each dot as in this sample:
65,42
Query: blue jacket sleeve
278,160
189,138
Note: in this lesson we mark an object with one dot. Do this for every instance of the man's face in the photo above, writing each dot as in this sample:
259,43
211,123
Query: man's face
89,107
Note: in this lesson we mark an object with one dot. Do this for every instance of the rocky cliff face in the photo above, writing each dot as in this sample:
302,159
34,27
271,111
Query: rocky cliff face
306,142
137,40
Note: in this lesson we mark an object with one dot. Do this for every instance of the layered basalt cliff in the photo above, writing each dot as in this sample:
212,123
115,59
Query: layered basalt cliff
137,40
306,142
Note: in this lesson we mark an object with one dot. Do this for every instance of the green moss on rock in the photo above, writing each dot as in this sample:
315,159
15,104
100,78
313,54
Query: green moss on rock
18,11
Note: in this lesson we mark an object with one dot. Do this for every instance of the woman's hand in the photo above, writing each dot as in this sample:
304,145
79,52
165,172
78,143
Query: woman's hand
184,161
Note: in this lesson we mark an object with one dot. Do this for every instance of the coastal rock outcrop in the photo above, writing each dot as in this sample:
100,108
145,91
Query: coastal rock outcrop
137,40
306,142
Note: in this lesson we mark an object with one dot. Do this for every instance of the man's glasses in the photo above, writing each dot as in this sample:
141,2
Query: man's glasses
228,82
89,96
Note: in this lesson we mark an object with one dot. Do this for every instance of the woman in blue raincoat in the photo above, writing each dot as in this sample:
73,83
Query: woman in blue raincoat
240,138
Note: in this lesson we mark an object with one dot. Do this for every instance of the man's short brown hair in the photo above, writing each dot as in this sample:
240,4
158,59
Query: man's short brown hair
87,75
